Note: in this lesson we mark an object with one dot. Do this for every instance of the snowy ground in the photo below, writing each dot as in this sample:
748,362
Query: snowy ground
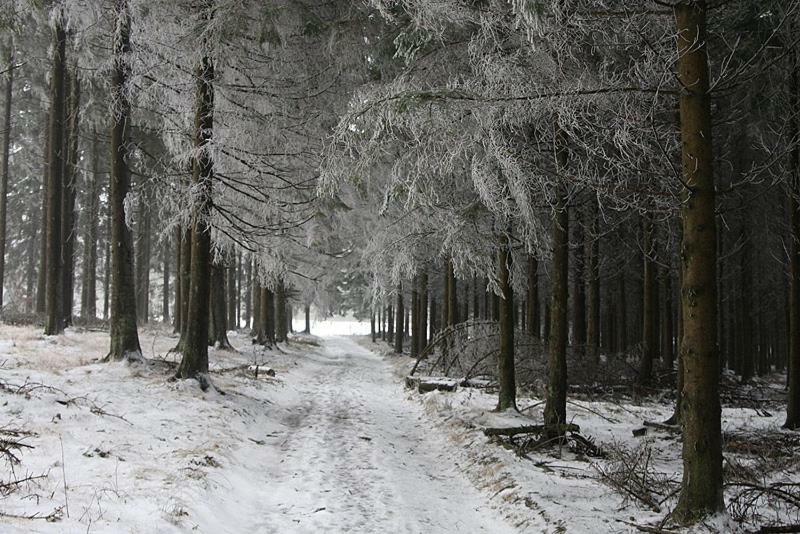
332,443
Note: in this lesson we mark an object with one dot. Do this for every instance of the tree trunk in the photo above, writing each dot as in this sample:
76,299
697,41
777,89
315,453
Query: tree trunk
185,279
268,315
194,363
124,335
389,325
555,411
414,317
793,382
219,317
248,310
142,252
55,178
400,314
579,289
452,300
260,317
106,275
6,153
532,298
593,289
476,302
423,310
507,394
90,244
231,293
165,287
280,313
622,313
648,305
257,332
68,226
667,347
178,313
307,315
41,283
746,308
701,489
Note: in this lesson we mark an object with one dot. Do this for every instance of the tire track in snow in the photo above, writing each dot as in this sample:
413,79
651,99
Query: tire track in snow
357,456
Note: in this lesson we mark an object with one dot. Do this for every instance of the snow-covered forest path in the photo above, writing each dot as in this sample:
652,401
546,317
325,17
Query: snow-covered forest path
332,443
357,456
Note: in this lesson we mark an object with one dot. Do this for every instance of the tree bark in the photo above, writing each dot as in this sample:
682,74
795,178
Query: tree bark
507,394
667,346
423,310
701,488
68,218
6,153
532,298
194,363
143,252
389,325
124,335
399,314
248,309
260,304
593,286
219,317
648,304
555,411
793,382
747,310
55,178
452,300
90,244
281,324
232,293
307,316
268,315
41,282
106,274
415,317
165,292
579,289
622,313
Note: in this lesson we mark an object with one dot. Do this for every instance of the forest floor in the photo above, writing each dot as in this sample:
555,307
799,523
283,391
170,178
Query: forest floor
333,442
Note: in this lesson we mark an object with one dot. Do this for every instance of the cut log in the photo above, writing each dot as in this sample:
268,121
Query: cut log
477,383
675,429
425,385
260,370
528,429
